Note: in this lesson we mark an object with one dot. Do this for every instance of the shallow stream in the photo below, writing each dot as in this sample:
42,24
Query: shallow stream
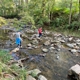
51,67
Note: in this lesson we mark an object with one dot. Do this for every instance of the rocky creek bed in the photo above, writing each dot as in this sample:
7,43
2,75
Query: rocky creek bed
53,54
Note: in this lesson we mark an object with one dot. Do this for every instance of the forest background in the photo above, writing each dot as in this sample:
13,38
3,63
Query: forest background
60,14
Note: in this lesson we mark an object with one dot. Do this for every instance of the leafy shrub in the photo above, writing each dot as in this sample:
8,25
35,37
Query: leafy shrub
2,21
75,25
4,56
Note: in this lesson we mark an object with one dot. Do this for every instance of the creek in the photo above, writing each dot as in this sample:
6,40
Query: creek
52,68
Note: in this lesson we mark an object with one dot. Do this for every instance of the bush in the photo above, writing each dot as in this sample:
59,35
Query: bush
4,56
2,21
75,25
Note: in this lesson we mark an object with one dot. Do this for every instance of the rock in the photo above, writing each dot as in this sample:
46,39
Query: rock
35,41
71,45
62,41
78,44
47,43
57,57
41,77
15,50
78,51
75,70
29,31
29,45
58,49
34,36
46,32
70,39
34,46
51,49
73,50
30,48
45,50
34,72
8,76
30,78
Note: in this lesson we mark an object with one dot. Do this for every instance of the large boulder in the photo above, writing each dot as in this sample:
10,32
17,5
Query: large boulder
75,70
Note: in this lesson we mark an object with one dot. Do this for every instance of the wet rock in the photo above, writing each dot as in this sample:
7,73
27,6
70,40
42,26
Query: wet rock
41,77
34,72
30,78
45,50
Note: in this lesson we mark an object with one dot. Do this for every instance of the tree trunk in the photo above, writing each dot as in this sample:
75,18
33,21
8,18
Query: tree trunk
79,11
70,12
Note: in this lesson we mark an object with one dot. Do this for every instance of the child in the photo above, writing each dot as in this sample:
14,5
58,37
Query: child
40,32
18,39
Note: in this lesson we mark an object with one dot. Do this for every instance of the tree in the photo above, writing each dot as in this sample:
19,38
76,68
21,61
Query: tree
70,12
79,11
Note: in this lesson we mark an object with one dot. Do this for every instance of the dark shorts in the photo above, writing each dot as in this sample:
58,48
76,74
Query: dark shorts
40,34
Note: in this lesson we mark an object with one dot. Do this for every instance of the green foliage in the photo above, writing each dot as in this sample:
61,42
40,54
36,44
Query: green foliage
2,21
75,25
22,74
40,12
4,56
1,67
33,74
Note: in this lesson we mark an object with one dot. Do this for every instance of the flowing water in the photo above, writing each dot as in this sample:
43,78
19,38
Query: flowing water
51,67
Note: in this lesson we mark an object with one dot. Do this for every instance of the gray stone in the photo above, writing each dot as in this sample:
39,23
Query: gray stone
47,43
35,71
73,50
41,77
35,41
45,50
30,78
70,39
76,71
29,45
71,45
